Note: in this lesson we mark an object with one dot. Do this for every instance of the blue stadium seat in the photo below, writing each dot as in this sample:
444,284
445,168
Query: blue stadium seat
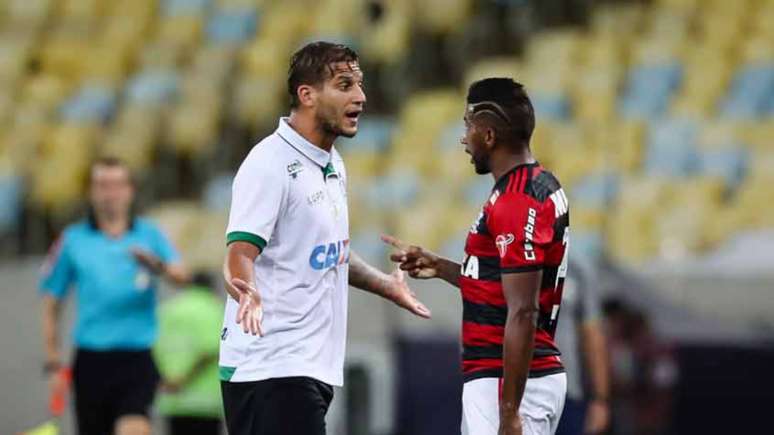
554,107
174,8
730,164
751,93
91,103
373,135
217,192
395,190
671,148
229,26
153,87
478,190
586,245
649,89
595,191
449,139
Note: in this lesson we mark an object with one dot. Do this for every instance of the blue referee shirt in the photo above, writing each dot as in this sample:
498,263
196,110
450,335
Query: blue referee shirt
115,295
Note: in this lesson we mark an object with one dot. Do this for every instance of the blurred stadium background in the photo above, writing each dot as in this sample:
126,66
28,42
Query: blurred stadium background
658,117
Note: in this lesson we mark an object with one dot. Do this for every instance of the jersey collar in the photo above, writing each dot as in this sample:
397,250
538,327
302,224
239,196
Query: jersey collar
315,153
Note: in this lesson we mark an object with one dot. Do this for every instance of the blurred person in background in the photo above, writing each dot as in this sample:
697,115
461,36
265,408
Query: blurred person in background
114,260
187,356
512,276
288,265
584,354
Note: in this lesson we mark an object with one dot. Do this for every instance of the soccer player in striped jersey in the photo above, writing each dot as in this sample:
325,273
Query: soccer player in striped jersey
512,276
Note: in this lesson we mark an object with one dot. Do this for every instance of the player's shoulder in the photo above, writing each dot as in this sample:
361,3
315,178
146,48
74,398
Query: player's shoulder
76,230
531,184
266,157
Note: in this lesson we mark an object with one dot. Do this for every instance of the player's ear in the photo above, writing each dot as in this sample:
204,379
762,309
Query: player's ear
490,136
307,95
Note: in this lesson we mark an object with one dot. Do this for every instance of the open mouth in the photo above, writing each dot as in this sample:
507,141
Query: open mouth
353,114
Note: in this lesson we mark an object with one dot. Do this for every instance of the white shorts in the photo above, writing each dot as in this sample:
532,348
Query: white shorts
540,409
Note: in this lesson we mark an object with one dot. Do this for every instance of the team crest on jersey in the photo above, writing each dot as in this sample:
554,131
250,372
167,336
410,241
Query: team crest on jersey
502,241
294,168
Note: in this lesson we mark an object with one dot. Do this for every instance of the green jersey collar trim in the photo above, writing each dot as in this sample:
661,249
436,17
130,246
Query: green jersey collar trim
242,236
329,170
226,373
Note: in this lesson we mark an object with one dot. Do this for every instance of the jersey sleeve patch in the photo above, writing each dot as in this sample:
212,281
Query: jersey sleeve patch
521,230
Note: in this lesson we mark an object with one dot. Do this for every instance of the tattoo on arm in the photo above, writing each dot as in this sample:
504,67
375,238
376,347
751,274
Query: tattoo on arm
366,277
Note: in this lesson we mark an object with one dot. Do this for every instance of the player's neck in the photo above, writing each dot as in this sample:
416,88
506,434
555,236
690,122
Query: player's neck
113,226
505,161
310,130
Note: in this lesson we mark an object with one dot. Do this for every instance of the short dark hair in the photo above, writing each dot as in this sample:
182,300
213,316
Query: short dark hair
110,162
311,65
515,109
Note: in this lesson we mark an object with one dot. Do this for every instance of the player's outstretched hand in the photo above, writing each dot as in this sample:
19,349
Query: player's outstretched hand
403,296
148,260
418,262
250,313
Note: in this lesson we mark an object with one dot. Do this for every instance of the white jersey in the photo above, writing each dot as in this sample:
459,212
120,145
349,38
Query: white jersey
289,199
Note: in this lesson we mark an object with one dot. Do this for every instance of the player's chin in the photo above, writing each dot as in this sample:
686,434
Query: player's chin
348,130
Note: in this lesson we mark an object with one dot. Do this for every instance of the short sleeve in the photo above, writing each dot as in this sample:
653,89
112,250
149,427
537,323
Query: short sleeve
522,228
165,249
256,198
57,273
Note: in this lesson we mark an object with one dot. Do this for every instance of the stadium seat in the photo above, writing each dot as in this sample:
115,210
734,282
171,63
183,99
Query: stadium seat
671,148
186,8
152,87
91,104
232,26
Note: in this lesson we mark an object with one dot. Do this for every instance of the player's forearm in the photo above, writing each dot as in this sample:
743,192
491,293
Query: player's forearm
51,310
177,274
449,271
240,261
595,352
518,344
368,278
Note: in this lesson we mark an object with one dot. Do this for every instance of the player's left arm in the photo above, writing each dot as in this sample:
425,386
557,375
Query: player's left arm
391,286
522,227
521,294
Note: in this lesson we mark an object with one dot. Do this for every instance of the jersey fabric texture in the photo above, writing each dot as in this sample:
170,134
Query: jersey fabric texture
289,199
115,295
523,226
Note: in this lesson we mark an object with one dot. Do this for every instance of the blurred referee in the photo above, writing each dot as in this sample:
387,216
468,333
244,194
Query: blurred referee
114,260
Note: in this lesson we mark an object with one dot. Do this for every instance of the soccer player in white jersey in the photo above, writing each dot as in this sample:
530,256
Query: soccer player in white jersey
289,263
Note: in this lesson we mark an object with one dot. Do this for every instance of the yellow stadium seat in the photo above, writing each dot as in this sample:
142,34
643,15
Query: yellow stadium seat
64,57
258,101
758,50
442,16
193,128
265,58
493,67
757,134
387,41
184,31
45,90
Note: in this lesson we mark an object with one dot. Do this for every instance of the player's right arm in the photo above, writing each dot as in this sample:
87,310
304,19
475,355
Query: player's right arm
423,264
57,275
257,195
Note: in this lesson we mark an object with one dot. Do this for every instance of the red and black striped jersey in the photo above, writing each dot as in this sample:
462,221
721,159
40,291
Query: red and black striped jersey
523,226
